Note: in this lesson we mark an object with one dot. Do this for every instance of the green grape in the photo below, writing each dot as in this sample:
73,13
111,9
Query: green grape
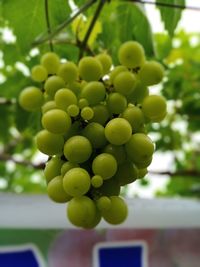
94,92
125,83
39,73
139,147
116,103
96,181
49,105
138,94
104,165
106,62
126,173
64,98
154,107
110,187
87,113
76,182
81,211
96,134
75,87
95,221
118,131
159,118
135,117
131,54
116,71
143,163
73,110
101,114
31,98
53,84
77,149
49,143
67,166
117,151
56,121
151,73
68,71
82,103
103,203
90,69
56,192
53,168
118,211
51,62
74,130
142,173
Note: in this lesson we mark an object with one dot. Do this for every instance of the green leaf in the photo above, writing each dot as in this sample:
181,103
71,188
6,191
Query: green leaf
171,16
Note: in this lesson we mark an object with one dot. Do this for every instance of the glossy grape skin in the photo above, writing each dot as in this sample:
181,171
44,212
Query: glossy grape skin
66,166
64,98
53,168
109,188
142,173
126,173
138,94
118,211
68,71
116,103
90,69
76,182
118,131
56,121
56,192
125,82
134,116
94,92
77,149
104,165
53,84
131,54
96,181
154,107
103,203
39,73
48,106
116,71
117,151
31,98
51,62
73,110
101,114
106,62
49,143
151,73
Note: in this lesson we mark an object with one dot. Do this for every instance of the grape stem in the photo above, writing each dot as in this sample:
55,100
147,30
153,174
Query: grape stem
83,45
45,37
46,4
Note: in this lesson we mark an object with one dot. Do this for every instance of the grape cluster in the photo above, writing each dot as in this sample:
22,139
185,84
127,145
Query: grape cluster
94,118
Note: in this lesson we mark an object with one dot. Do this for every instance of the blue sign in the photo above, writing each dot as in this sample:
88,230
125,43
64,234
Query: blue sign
120,254
19,256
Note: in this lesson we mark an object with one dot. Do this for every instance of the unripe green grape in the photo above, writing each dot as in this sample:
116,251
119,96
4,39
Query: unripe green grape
53,84
104,165
76,182
131,54
139,147
31,98
138,94
96,134
68,71
110,187
49,143
101,114
53,168
81,211
96,181
87,113
143,163
74,130
49,105
116,103
73,110
118,211
51,62
106,62
95,221
117,151
103,203
77,149
75,87
39,73
116,71
135,117
56,121
159,118
125,82
94,92
154,106
56,192
90,69
151,73
118,131
126,173
67,166
142,173
83,103
64,98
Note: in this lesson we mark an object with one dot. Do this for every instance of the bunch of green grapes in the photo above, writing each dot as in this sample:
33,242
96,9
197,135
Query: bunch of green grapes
93,123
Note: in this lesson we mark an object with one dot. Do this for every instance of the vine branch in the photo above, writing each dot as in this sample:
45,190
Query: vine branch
46,4
44,37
